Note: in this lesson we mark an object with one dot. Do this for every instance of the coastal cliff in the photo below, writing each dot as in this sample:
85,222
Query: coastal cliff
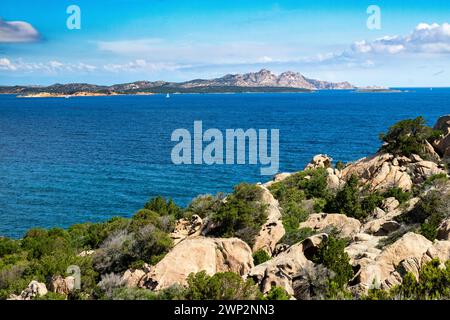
376,228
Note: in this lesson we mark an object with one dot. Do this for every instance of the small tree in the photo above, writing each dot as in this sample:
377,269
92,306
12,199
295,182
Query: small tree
408,137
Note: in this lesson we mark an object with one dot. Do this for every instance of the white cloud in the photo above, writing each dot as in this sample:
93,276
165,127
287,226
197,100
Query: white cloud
425,38
53,66
5,64
17,31
141,65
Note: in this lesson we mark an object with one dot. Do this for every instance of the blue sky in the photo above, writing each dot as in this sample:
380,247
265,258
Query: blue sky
122,41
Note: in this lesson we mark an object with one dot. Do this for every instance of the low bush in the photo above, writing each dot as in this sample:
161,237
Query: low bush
331,254
260,256
353,200
221,286
277,293
242,214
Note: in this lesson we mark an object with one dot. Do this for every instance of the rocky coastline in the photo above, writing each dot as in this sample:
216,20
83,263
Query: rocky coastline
369,229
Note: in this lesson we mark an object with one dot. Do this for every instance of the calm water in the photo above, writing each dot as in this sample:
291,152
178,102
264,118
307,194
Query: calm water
65,161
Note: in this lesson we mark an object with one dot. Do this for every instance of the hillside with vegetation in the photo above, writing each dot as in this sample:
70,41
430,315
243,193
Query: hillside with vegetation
376,228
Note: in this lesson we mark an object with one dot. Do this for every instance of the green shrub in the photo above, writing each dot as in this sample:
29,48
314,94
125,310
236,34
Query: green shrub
221,286
294,236
8,246
398,193
164,207
242,214
408,137
204,205
277,293
429,212
260,256
332,255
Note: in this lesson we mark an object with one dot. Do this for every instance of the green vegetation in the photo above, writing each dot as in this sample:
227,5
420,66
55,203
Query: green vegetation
399,194
277,293
221,286
408,137
331,254
260,256
353,201
242,214
429,212
433,283
119,243
291,193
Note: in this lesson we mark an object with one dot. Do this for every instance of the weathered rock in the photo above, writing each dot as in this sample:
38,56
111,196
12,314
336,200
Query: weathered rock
425,169
444,230
187,228
383,267
273,230
334,179
280,270
386,227
34,289
61,285
390,204
199,254
440,250
319,161
346,226
131,278
380,172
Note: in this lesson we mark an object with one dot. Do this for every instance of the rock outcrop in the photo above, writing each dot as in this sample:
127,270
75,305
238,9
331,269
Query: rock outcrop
131,278
187,228
273,230
384,171
345,226
380,271
61,285
281,270
319,161
34,289
197,254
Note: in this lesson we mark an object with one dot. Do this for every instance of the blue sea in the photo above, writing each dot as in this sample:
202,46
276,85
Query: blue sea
66,161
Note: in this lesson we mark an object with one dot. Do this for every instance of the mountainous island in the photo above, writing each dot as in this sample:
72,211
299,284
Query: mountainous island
262,81
377,228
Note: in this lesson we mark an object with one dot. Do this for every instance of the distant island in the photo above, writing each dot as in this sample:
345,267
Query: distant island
262,81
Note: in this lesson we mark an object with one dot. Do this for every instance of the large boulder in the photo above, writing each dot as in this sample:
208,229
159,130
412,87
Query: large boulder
273,230
440,250
61,285
281,270
34,289
346,226
381,172
319,161
197,254
131,278
381,271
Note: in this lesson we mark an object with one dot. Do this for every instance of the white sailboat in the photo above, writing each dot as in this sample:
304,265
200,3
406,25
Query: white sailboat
167,95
